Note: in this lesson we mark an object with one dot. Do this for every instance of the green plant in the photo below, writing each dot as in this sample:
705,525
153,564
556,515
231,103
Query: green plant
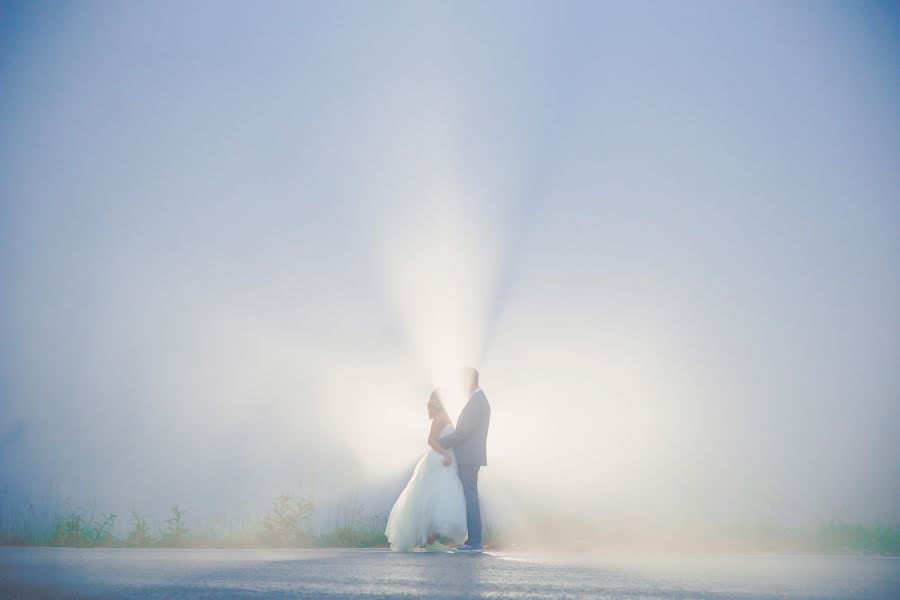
287,522
100,531
70,531
139,535
177,530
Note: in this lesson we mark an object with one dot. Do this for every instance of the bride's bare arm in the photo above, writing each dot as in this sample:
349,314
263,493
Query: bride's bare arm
437,426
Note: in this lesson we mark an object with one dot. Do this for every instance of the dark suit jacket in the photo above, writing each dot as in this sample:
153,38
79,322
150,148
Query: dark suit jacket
469,441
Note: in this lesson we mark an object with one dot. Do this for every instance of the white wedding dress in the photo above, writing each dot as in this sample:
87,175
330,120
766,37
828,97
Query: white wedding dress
431,503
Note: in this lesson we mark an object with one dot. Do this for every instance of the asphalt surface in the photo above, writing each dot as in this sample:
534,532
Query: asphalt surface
332,574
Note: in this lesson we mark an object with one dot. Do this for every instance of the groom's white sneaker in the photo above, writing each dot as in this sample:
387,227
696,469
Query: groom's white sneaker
469,549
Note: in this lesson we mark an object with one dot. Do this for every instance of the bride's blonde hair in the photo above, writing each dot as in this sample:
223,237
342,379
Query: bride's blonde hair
435,404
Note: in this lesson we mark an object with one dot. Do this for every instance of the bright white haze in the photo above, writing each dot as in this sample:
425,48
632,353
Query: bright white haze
241,243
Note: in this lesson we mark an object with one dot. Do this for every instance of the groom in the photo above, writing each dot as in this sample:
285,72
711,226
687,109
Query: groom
470,443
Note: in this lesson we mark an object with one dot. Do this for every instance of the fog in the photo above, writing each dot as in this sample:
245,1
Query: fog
241,243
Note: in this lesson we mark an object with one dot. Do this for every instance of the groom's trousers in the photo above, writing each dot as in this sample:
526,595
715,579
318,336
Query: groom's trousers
468,475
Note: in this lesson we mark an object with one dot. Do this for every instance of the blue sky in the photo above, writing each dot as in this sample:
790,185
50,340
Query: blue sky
258,235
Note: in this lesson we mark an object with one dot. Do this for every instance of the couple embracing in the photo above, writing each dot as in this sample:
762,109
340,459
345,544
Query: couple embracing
441,499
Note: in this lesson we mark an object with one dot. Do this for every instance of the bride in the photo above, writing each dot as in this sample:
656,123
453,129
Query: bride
432,505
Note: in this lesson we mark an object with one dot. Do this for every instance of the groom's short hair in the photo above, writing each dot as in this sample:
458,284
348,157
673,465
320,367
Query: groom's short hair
470,376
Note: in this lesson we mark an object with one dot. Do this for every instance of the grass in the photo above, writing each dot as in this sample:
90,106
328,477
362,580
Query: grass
288,523
852,538
74,530
28,522
352,526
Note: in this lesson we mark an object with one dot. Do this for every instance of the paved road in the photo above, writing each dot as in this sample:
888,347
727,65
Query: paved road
333,574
